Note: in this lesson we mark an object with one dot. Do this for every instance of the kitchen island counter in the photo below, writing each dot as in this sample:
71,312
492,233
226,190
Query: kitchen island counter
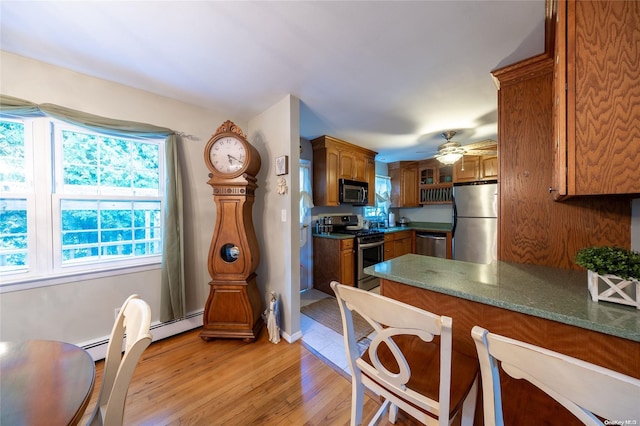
554,294
547,307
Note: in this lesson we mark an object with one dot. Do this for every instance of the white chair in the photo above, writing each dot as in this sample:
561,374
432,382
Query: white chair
410,362
585,389
131,332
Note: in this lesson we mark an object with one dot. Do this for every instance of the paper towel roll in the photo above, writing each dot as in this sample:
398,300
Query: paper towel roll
392,220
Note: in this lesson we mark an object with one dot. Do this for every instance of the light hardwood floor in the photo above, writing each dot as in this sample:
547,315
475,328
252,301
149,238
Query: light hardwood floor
187,381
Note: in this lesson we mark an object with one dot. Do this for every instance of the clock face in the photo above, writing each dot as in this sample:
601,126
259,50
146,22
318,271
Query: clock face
228,155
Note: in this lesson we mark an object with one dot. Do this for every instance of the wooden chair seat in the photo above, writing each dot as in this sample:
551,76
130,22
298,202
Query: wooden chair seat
424,360
409,362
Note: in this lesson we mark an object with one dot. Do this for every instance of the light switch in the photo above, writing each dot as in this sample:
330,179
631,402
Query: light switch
283,214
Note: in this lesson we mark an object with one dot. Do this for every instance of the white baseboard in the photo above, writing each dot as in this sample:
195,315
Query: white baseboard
290,338
98,348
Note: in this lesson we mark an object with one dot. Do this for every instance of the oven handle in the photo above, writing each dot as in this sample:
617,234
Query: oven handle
369,245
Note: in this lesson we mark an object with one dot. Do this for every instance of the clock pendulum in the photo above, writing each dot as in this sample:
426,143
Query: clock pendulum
234,303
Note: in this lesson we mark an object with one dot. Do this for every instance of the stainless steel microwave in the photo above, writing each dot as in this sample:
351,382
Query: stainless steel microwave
354,192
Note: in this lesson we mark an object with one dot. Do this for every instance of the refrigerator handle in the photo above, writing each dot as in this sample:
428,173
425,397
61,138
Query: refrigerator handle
455,216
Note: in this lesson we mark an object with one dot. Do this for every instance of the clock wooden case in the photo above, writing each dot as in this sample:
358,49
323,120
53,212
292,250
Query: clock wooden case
234,304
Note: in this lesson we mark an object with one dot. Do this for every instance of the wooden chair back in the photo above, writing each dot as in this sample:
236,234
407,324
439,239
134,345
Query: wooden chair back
408,362
585,389
130,336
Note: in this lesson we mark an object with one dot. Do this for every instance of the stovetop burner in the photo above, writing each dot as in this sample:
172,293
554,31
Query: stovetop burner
362,232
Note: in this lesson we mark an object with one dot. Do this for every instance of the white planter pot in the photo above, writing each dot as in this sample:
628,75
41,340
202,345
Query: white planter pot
612,288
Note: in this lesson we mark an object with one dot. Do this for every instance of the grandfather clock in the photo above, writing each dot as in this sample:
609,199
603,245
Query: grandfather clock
234,303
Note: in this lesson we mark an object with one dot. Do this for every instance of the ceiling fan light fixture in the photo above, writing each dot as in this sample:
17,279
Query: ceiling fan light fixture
449,152
448,158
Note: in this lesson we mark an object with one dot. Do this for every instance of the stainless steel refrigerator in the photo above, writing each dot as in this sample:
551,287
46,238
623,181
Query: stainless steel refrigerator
475,222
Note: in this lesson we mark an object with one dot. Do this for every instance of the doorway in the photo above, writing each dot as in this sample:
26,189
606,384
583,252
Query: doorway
306,204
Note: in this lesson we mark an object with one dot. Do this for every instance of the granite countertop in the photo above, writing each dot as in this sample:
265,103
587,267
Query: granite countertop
335,236
555,294
416,226
423,226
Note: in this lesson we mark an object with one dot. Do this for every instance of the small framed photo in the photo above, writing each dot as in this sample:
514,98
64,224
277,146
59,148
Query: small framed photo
282,165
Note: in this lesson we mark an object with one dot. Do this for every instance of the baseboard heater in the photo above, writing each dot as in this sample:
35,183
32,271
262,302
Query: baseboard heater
160,330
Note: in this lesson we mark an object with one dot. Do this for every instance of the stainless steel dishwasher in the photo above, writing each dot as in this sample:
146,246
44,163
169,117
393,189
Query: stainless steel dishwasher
431,244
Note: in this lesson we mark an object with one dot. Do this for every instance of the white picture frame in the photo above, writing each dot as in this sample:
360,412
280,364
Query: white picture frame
282,165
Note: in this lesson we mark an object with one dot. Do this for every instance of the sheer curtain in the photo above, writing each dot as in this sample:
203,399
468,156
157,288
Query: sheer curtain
172,282
383,193
306,199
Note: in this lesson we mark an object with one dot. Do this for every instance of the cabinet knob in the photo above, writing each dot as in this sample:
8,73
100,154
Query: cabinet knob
552,189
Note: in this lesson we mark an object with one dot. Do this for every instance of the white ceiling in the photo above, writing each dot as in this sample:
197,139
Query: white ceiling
387,75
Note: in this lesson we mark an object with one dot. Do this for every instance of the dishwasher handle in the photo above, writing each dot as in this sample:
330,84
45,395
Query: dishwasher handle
431,236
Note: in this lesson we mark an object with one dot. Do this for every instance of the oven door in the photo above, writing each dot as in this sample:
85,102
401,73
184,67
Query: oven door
368,254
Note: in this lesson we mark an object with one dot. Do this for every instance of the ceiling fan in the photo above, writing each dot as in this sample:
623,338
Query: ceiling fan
450,152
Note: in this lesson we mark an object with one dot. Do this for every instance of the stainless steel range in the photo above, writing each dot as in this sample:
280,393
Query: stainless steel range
369,246
369,251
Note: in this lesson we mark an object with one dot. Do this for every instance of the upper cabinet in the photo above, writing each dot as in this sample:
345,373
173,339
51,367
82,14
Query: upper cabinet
435,182
472,168
597,98
404,183
335,159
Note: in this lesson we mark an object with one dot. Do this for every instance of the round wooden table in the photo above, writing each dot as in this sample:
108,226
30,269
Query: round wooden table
44,382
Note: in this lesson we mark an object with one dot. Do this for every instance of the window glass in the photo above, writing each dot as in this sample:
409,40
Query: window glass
383,200
13,234
12,157
14,189
99,199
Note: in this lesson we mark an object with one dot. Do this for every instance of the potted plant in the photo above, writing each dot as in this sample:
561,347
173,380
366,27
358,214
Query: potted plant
613,269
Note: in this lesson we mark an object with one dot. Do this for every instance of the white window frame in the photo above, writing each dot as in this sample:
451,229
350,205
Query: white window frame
43,216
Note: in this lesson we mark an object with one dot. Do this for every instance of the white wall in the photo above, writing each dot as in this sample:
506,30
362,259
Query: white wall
276,132
80,312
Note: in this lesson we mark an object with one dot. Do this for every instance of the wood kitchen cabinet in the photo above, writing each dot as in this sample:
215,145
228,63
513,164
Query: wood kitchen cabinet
347,168
596,98
488,167
435,182
335,159
532,227
467,169
404,183
472,168
398,243
333,259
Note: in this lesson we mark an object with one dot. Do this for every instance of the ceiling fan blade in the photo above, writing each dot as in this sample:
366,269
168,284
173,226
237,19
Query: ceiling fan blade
480,152
487,143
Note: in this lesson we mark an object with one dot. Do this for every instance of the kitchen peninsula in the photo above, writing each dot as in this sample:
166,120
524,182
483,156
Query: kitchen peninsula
544,306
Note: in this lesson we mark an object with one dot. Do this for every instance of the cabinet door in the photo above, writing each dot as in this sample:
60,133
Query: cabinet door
359,168
347,165
602,144
404,184
467,169
347,267
428,172
325,177
404,246
488,167
389,247
409,194
559,173
370,178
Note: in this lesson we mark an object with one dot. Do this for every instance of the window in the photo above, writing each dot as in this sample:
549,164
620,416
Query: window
72,200
383,200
